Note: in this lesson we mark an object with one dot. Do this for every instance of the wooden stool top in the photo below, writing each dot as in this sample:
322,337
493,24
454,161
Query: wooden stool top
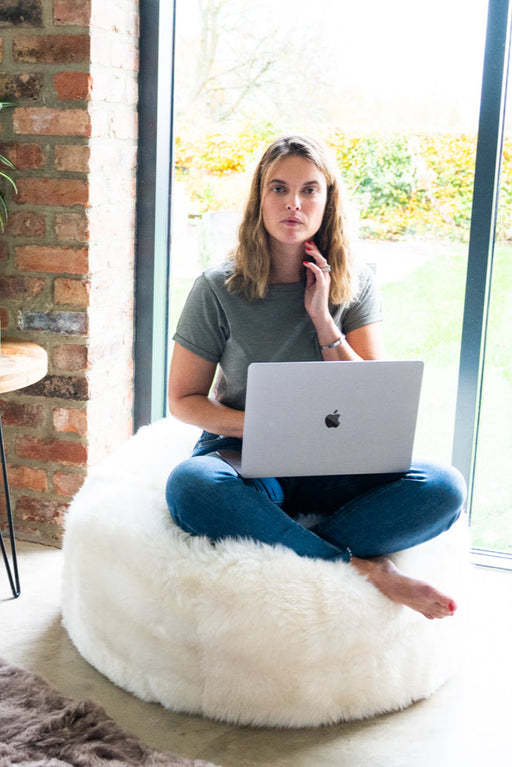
21,363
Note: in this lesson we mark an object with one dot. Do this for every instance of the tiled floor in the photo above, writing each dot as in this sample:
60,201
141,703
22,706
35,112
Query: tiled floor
466,723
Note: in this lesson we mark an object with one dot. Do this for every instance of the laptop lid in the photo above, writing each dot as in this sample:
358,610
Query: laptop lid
315,418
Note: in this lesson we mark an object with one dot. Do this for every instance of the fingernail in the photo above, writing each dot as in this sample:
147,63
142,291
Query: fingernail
451,607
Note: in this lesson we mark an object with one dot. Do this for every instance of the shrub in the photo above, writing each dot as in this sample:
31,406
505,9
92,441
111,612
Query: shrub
402,184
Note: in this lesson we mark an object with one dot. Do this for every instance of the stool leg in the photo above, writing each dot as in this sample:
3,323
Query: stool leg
13,575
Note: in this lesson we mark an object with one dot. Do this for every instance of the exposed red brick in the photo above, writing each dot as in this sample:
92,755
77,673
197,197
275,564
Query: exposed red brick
26,478
82,409
72,86
44,121
24,86
58,259
26,224
51,49
70,387
40,510
71,226
69,453
24,156
70,357
71,292
72,157
72,12
22,13
52,191
70,420
65,323
21,288
67,484
21,414
51,451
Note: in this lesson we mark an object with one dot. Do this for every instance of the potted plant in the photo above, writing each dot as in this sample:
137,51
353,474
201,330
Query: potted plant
6,167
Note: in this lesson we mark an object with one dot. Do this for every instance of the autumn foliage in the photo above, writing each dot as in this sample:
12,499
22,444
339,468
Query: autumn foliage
401,184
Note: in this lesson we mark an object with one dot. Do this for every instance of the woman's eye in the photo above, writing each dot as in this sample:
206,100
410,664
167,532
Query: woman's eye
310,190
277,189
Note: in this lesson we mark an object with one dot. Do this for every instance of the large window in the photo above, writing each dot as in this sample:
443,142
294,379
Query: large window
395,89
491,519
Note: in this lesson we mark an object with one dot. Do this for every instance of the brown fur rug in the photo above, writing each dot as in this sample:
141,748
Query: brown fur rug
39,727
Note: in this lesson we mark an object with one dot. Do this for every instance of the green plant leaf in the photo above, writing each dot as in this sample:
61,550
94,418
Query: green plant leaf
4,214
9,179
5,161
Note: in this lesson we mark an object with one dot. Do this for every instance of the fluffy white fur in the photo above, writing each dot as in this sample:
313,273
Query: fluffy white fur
240,631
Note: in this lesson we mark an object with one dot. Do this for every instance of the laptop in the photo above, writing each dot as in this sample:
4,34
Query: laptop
319,418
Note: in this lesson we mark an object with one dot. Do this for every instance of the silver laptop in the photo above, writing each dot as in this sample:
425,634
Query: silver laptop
314,418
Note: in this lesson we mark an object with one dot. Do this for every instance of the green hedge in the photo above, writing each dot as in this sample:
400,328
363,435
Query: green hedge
402,184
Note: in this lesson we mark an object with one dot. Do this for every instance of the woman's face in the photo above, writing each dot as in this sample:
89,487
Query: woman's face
294,199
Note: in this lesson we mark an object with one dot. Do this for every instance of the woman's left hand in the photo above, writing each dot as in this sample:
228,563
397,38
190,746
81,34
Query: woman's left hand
318,281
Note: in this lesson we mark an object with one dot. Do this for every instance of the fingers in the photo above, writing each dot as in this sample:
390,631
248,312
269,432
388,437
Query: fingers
317,283
313,252
319,265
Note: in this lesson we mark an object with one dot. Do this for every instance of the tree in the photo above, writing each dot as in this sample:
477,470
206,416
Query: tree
221,59
238,56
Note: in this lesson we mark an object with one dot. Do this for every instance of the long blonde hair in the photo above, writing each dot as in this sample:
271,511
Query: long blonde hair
252,254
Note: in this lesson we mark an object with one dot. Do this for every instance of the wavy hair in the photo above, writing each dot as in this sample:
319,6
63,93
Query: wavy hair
251,256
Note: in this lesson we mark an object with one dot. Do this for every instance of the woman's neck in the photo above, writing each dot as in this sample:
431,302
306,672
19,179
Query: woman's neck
286,263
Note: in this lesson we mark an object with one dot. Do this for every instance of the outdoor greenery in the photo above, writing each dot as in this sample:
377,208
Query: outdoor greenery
402,184
435,295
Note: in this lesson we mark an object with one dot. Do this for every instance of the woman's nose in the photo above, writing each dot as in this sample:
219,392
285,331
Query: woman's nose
293,202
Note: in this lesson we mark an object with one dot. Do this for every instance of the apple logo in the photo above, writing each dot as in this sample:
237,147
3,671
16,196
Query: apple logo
332,421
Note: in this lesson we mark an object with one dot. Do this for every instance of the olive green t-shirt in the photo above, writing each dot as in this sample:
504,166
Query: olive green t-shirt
225,327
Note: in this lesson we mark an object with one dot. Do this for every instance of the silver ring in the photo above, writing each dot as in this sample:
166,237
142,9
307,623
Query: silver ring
326,268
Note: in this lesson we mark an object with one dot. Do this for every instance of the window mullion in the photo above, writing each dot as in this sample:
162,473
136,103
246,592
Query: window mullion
482,233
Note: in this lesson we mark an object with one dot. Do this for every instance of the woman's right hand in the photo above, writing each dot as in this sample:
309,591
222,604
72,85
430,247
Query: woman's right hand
190,381
318,281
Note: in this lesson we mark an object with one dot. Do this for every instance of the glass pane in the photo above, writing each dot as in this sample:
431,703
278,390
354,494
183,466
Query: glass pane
491,519
394,88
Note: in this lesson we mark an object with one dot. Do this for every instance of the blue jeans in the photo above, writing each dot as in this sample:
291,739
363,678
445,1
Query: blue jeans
361,515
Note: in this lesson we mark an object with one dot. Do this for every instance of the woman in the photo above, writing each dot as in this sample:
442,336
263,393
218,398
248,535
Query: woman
293,291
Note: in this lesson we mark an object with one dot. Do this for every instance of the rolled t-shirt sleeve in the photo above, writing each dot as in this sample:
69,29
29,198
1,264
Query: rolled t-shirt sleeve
203,326
367,307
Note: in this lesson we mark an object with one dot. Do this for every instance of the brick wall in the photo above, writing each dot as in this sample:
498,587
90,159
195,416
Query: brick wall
67,255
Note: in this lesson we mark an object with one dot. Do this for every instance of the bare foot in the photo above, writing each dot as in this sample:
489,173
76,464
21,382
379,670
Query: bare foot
398,587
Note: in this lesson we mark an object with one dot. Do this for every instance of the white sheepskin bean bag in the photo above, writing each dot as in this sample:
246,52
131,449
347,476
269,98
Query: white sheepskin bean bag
240,631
